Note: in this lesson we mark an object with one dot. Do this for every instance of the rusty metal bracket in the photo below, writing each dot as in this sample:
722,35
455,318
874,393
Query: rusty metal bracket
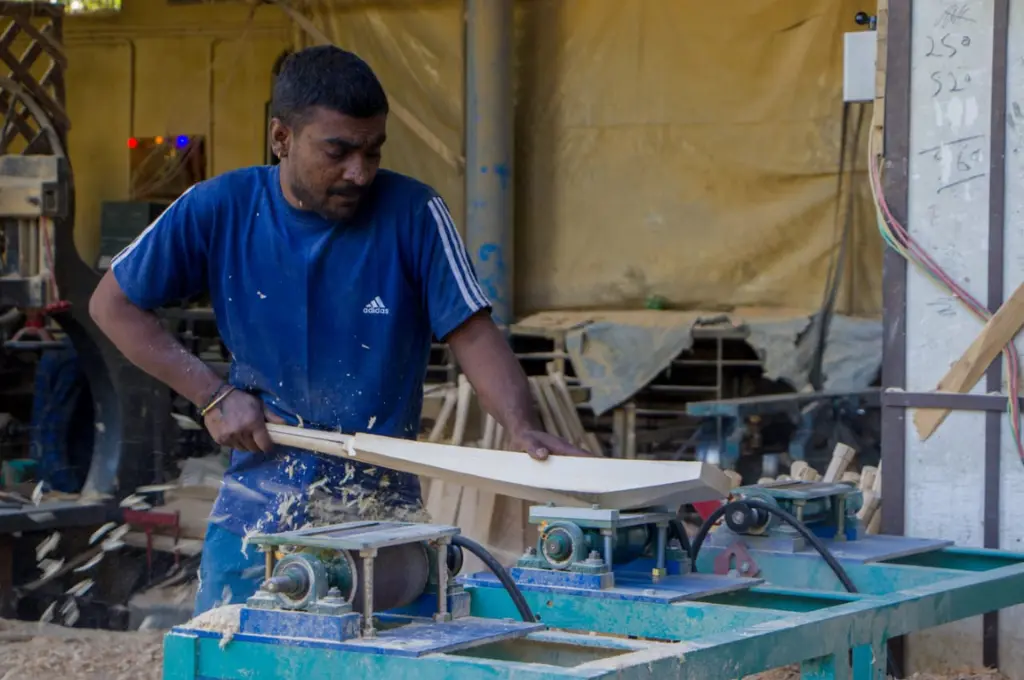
745,564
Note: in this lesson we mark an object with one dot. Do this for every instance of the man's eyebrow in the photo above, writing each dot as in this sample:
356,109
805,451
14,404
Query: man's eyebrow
350,145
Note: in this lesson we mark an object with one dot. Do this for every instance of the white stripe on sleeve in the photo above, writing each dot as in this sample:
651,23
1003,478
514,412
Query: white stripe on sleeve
453,262
474,289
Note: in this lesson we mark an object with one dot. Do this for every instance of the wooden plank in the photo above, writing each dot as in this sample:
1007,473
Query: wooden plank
542,406
969,369
618,484
842,456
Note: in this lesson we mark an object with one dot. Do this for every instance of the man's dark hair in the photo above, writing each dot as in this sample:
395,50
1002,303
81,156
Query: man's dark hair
330,77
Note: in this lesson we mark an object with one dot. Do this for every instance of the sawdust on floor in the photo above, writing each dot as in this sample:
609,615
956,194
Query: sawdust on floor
30,651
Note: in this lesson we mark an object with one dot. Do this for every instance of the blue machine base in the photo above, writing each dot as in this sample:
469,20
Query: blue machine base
873,548
426,606
411,637
296,624
564,579
634,586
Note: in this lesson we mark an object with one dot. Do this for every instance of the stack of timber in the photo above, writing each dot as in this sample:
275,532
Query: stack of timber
868,480
498,522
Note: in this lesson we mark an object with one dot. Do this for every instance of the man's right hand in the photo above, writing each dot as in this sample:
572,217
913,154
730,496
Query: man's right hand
239,421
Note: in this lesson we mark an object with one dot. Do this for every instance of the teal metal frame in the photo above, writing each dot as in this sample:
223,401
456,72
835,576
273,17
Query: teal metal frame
802,618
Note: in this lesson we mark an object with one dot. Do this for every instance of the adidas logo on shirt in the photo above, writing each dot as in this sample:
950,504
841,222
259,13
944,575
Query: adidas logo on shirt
376,306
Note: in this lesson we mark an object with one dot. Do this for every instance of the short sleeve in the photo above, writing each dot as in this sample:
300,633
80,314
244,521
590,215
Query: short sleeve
168,261
451,290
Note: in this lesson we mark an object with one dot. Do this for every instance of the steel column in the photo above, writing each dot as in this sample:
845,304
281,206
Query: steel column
489,133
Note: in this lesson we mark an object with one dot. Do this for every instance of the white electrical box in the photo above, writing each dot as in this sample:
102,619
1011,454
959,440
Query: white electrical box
860,53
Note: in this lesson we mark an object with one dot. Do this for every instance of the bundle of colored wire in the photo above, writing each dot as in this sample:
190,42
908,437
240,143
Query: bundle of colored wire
899,239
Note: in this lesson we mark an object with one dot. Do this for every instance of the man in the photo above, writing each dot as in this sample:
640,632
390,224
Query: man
328,278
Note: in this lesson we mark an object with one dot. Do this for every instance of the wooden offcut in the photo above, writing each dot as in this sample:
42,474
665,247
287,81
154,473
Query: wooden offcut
972,365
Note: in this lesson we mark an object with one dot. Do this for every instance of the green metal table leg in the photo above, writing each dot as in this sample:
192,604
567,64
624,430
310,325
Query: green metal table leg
181,654
869,662
833,667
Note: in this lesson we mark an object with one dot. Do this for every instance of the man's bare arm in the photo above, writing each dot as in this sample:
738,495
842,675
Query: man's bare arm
146,343
140,336
502,387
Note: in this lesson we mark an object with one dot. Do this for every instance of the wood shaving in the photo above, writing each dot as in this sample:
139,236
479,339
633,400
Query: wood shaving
242,490
48,613
119,533
155,488
99,533
50,567
80,588
70,612
37,494
47,546
90,564
110,545
131,500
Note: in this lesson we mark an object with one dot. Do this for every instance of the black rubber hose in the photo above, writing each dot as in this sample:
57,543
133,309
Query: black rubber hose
500,572
802,529
786,517
677,529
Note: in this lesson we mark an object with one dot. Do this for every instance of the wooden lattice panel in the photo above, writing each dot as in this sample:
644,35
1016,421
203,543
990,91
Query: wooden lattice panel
31,37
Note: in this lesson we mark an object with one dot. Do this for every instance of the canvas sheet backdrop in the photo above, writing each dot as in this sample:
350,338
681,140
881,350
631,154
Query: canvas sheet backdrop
663,147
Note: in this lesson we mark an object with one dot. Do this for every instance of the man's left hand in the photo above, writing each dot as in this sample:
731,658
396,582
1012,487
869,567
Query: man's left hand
540,445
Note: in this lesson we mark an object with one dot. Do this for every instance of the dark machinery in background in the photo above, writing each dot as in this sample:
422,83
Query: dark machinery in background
44,297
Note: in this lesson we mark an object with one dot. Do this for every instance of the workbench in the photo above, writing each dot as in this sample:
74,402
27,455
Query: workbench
774,603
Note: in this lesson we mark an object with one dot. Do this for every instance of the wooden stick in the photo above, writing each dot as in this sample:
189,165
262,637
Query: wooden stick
968,370
447,406
867,477
842,456
548,390
572,416
542,407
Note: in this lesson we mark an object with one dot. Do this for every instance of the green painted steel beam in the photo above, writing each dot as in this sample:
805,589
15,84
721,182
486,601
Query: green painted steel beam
819,640
875,578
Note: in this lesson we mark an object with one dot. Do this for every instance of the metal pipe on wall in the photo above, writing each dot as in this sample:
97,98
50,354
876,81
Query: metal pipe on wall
489,148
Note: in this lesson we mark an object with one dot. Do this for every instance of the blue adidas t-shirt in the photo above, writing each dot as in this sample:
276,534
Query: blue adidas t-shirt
329,323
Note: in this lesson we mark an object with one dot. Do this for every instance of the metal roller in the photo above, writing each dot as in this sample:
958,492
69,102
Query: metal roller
400,575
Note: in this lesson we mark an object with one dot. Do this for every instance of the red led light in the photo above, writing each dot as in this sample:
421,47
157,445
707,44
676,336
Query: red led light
132,143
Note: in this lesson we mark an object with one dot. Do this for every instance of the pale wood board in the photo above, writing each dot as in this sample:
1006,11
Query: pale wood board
998,332
610,483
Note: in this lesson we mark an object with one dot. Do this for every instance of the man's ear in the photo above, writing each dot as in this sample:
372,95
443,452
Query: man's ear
280,137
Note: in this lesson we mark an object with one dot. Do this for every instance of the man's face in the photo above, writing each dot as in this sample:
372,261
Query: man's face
330,161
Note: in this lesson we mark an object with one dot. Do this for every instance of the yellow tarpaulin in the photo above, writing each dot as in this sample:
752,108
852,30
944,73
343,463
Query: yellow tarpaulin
663,147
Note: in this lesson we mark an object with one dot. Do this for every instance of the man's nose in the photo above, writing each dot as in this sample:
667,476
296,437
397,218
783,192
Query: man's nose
358,171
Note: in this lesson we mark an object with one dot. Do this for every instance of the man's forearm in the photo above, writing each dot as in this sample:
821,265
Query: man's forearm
495,373
144,341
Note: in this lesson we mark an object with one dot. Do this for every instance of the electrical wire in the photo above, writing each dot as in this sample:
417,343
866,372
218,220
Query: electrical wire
499,571
843,229
897,237
801,528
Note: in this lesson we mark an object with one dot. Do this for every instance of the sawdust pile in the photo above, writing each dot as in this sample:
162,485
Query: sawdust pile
224,620
30,651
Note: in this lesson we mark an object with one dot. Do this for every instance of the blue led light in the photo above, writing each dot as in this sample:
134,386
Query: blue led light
182,141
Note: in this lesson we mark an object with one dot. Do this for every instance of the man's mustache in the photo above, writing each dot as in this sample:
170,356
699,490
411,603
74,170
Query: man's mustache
347,192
